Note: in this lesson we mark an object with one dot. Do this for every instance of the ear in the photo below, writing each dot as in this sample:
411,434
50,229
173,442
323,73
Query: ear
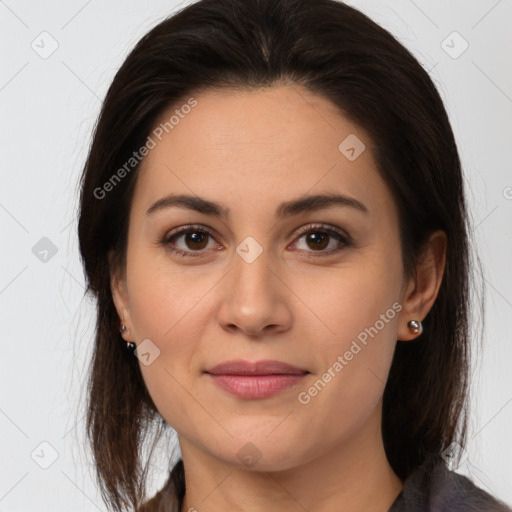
421,292
119,291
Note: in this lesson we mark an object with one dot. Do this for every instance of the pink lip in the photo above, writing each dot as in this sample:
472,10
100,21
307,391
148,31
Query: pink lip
260,379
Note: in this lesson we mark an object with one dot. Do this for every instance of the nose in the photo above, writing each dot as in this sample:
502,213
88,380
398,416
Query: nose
255,300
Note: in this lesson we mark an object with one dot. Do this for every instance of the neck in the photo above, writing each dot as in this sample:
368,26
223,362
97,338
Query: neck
354,475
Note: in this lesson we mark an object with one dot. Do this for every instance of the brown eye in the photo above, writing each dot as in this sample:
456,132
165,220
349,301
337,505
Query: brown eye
188,241
317,239
196,240
191,241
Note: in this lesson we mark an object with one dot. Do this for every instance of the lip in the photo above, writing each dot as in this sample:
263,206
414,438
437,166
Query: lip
263,367
259,379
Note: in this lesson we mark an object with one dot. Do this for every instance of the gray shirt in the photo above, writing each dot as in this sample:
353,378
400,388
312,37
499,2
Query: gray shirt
431,487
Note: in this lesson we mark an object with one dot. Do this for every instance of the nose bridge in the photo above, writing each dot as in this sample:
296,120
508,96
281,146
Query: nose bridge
252,275
254,298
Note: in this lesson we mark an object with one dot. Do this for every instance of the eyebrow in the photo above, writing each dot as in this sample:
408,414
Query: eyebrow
286,209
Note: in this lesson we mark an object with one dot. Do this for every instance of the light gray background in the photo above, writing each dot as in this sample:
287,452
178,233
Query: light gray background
48,108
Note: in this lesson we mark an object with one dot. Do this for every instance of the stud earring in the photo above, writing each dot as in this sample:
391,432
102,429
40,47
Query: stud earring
415,326
129,344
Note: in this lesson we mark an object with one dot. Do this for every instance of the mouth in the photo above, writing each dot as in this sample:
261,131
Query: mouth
260,379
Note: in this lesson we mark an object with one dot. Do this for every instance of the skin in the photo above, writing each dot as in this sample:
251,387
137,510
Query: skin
250,151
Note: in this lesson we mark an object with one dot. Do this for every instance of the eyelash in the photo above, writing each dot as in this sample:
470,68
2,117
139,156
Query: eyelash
316,228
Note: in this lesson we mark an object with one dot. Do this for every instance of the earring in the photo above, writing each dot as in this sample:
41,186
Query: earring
129,344
415,326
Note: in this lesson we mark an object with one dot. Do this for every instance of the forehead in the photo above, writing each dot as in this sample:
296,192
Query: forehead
258,146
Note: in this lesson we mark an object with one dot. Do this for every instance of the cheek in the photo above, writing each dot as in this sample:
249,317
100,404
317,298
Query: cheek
345,301
164,298
169,309
350,382
359,308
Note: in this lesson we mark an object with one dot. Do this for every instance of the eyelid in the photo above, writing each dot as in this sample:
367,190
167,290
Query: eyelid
188,227
183,230
344,239
321,226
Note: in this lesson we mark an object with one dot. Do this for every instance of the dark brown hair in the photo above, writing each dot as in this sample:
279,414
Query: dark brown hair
339,53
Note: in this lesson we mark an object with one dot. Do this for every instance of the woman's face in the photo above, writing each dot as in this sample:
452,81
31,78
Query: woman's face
264,275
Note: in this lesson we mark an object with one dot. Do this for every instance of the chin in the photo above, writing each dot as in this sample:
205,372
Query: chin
260,453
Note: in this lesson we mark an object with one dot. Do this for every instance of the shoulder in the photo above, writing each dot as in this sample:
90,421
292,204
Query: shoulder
432,487
163,501
169,498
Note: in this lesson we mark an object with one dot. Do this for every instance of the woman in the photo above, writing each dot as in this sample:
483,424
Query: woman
272,215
